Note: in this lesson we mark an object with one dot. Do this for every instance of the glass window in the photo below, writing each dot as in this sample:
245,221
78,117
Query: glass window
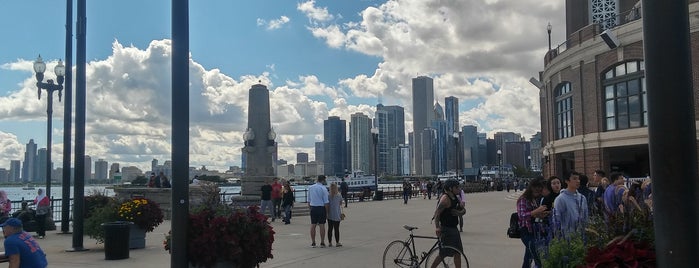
609,74
625,96
564,111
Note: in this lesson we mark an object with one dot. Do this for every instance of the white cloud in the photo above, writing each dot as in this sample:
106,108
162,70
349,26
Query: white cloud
129,110
273,24
475,50
315,14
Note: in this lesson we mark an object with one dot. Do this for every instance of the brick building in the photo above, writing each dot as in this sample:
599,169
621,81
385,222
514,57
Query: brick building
593,92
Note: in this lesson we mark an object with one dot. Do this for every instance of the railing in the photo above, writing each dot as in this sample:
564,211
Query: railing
591,31
56,207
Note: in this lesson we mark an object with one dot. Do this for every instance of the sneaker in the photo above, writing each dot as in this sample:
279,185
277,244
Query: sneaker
338,245
41,237
322,245
313,245
330,245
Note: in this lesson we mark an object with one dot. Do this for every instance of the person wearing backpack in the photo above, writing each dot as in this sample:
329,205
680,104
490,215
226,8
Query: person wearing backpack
528,209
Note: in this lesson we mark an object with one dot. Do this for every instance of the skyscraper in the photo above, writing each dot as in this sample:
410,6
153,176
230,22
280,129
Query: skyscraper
15,170
451,114
439,151
40,165
423,113
88,167
319,152
29,168
334,146
101,171
390,120
470,151
361,143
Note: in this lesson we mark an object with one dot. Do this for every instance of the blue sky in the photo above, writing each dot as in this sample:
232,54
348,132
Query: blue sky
318,58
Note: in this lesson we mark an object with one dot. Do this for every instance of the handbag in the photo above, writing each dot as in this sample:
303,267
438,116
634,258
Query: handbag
513,230
342,216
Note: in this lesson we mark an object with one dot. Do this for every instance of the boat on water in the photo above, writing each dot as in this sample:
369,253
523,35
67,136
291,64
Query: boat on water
28,187
356,180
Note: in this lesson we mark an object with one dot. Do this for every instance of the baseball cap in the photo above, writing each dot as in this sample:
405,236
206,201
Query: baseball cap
14,222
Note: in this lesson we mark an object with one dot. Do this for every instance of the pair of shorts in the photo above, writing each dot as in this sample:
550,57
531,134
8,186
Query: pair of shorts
450,237
318,215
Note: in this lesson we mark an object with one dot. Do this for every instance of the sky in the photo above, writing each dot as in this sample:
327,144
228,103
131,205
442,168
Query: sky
318,58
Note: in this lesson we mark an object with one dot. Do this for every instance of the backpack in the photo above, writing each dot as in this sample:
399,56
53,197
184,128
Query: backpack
513,230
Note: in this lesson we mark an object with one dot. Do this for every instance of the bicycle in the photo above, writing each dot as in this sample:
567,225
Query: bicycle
403,253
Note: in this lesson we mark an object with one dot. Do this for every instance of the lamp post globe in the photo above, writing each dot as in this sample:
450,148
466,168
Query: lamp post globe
499,164
40,67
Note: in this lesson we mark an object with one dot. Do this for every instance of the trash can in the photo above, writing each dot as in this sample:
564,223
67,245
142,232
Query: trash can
116,240
378,196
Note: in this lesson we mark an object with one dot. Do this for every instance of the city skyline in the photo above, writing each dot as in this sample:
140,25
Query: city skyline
337,58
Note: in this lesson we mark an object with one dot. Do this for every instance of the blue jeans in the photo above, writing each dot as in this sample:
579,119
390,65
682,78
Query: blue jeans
267,204
529,239
287,213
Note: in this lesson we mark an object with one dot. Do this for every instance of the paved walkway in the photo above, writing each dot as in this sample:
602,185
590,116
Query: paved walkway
369,227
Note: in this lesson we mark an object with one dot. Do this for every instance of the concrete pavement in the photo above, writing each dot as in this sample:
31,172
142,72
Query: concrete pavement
369,227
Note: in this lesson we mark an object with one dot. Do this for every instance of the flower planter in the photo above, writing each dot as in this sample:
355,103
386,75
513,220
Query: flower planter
137,237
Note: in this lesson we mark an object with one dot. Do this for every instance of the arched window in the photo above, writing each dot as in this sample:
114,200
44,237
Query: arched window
564,110
625,96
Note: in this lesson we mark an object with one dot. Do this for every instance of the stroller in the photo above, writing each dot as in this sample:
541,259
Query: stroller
27,215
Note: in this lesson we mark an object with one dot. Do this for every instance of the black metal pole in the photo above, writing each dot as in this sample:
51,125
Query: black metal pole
180,133
49,113
67,121
80,92
671,96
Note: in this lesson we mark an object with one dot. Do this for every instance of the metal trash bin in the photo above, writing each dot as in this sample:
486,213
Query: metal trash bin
116,240
378,196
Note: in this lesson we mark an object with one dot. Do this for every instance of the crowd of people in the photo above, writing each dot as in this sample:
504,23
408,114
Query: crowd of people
559,208
160,181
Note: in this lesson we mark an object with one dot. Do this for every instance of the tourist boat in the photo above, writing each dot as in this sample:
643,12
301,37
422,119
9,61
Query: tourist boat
28,187
448,176
233,182
357,180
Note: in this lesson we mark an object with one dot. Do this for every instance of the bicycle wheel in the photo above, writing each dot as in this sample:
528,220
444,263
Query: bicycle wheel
448,261
398,254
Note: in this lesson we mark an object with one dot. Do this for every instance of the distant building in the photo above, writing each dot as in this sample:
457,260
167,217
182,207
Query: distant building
362,146
439,149
319,156
4,175
302,158
390,121
130,173
29,169
423,113
40,165
15,171
101,172
334,145
88,167
451,115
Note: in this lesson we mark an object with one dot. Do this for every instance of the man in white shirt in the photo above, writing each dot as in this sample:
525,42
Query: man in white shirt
318,201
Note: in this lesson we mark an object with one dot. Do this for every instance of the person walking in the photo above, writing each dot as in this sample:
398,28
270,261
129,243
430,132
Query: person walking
164,181
570,208
319,203
266,199
43,207
288,200
344,189
614,192
446,218
406,191
334,215
20,247
528,209
277,198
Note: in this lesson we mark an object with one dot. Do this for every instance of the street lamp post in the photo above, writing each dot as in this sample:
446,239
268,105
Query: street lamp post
456,153
531,167
548,29
50,87
500,164
375,138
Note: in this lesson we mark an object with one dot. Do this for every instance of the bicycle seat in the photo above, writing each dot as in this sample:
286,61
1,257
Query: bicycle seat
409,228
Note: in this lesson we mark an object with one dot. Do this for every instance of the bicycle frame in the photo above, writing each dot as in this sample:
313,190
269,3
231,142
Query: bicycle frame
411,242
